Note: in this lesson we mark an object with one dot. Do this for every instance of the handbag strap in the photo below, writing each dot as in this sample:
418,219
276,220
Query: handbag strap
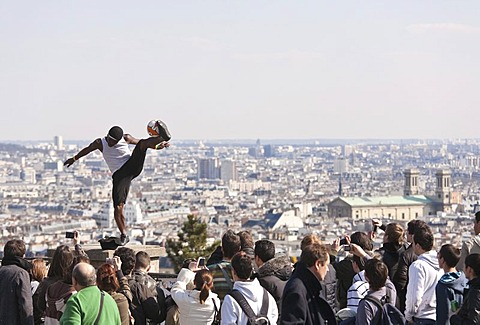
226,276
101,307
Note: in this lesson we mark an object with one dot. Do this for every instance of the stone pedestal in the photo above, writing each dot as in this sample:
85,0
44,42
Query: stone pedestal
98,256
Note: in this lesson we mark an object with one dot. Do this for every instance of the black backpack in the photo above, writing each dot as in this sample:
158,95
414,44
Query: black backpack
387,313
261,318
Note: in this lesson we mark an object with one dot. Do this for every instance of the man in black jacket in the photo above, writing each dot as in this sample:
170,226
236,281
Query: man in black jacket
302,302
148,304
469,313
273,271
16,306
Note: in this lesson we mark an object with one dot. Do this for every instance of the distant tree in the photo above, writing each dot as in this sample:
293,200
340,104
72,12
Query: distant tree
191,243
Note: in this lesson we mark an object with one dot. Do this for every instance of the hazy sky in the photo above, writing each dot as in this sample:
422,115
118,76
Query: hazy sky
240,69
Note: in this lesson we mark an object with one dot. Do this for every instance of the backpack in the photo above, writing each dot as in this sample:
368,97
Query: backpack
387,313
261,318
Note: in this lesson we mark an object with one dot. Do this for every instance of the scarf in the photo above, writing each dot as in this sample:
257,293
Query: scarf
18,261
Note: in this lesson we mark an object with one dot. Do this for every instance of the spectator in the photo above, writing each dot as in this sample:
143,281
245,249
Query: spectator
59,269
108,281
58,294
89,305
406,258
423,276
359,288
273,272
251,290
472,245
450,288
393,246
39,272
222,271
148,303
197,306
246,243
469,313
344,269
376,273
15,292
302,301
124,269
330,281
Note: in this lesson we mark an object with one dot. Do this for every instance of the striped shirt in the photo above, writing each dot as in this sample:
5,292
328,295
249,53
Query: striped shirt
357,291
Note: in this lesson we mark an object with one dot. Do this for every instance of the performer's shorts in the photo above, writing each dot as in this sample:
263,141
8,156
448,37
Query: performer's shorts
122,178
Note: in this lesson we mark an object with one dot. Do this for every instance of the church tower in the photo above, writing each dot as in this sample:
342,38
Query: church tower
411,182
443,190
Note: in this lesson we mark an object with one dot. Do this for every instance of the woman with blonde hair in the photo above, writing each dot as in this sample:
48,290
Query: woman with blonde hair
197,306
393,246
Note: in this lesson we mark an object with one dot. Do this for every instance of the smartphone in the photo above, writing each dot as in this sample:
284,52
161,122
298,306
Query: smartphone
109,260
343,241
201,262
69,234
347,248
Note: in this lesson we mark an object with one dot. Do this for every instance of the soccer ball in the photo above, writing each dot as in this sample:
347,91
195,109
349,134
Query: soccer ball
152,128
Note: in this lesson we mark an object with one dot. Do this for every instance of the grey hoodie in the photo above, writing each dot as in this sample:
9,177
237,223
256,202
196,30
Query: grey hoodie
423,276
469,247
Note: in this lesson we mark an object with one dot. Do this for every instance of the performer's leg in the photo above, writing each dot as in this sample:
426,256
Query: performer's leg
120,218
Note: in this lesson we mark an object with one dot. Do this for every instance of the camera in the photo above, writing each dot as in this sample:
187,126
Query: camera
109,260
347,248
201,262
343,241
69,234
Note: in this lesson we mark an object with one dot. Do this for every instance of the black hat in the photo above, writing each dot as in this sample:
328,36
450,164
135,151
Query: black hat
116,133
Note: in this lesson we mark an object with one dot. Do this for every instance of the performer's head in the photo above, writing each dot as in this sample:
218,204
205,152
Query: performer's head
114,135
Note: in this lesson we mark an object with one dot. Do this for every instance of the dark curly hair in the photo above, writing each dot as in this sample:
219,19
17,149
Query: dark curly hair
62,262
127,256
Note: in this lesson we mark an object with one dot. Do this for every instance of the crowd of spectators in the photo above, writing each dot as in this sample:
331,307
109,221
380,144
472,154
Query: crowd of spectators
404,281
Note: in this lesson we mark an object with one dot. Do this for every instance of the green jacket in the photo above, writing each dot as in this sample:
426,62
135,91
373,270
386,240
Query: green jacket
83,307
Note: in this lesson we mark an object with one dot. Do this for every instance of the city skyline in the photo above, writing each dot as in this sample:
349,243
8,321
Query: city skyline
243,70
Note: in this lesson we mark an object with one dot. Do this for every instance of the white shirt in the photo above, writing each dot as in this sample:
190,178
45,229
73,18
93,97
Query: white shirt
191,311
115,156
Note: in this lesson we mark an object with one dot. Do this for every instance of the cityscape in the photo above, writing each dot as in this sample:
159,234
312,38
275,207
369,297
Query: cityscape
280,190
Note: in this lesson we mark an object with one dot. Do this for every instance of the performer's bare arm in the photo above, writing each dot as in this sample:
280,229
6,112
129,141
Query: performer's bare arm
130,139
95,145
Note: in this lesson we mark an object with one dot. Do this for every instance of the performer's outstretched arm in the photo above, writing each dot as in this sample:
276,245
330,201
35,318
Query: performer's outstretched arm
95,145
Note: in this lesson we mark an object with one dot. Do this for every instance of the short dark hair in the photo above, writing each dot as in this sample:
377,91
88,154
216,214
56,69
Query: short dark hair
14,248
116,132
230,243
414,224
265,250
314,252
142,260
450,254
473,260
423,236
242,265
362,239
246,239
127,256
377,272
477,216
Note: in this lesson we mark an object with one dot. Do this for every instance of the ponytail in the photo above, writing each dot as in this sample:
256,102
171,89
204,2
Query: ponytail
203,282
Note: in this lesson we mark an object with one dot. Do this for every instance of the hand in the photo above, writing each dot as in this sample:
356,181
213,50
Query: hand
193,266
376,222
357,250
76,241
335,245
117,263
69,162
162,145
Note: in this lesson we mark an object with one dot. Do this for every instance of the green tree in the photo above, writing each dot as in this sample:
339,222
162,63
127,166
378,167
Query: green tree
191,243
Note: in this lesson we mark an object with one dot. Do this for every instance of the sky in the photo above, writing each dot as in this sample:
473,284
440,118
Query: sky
229,69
